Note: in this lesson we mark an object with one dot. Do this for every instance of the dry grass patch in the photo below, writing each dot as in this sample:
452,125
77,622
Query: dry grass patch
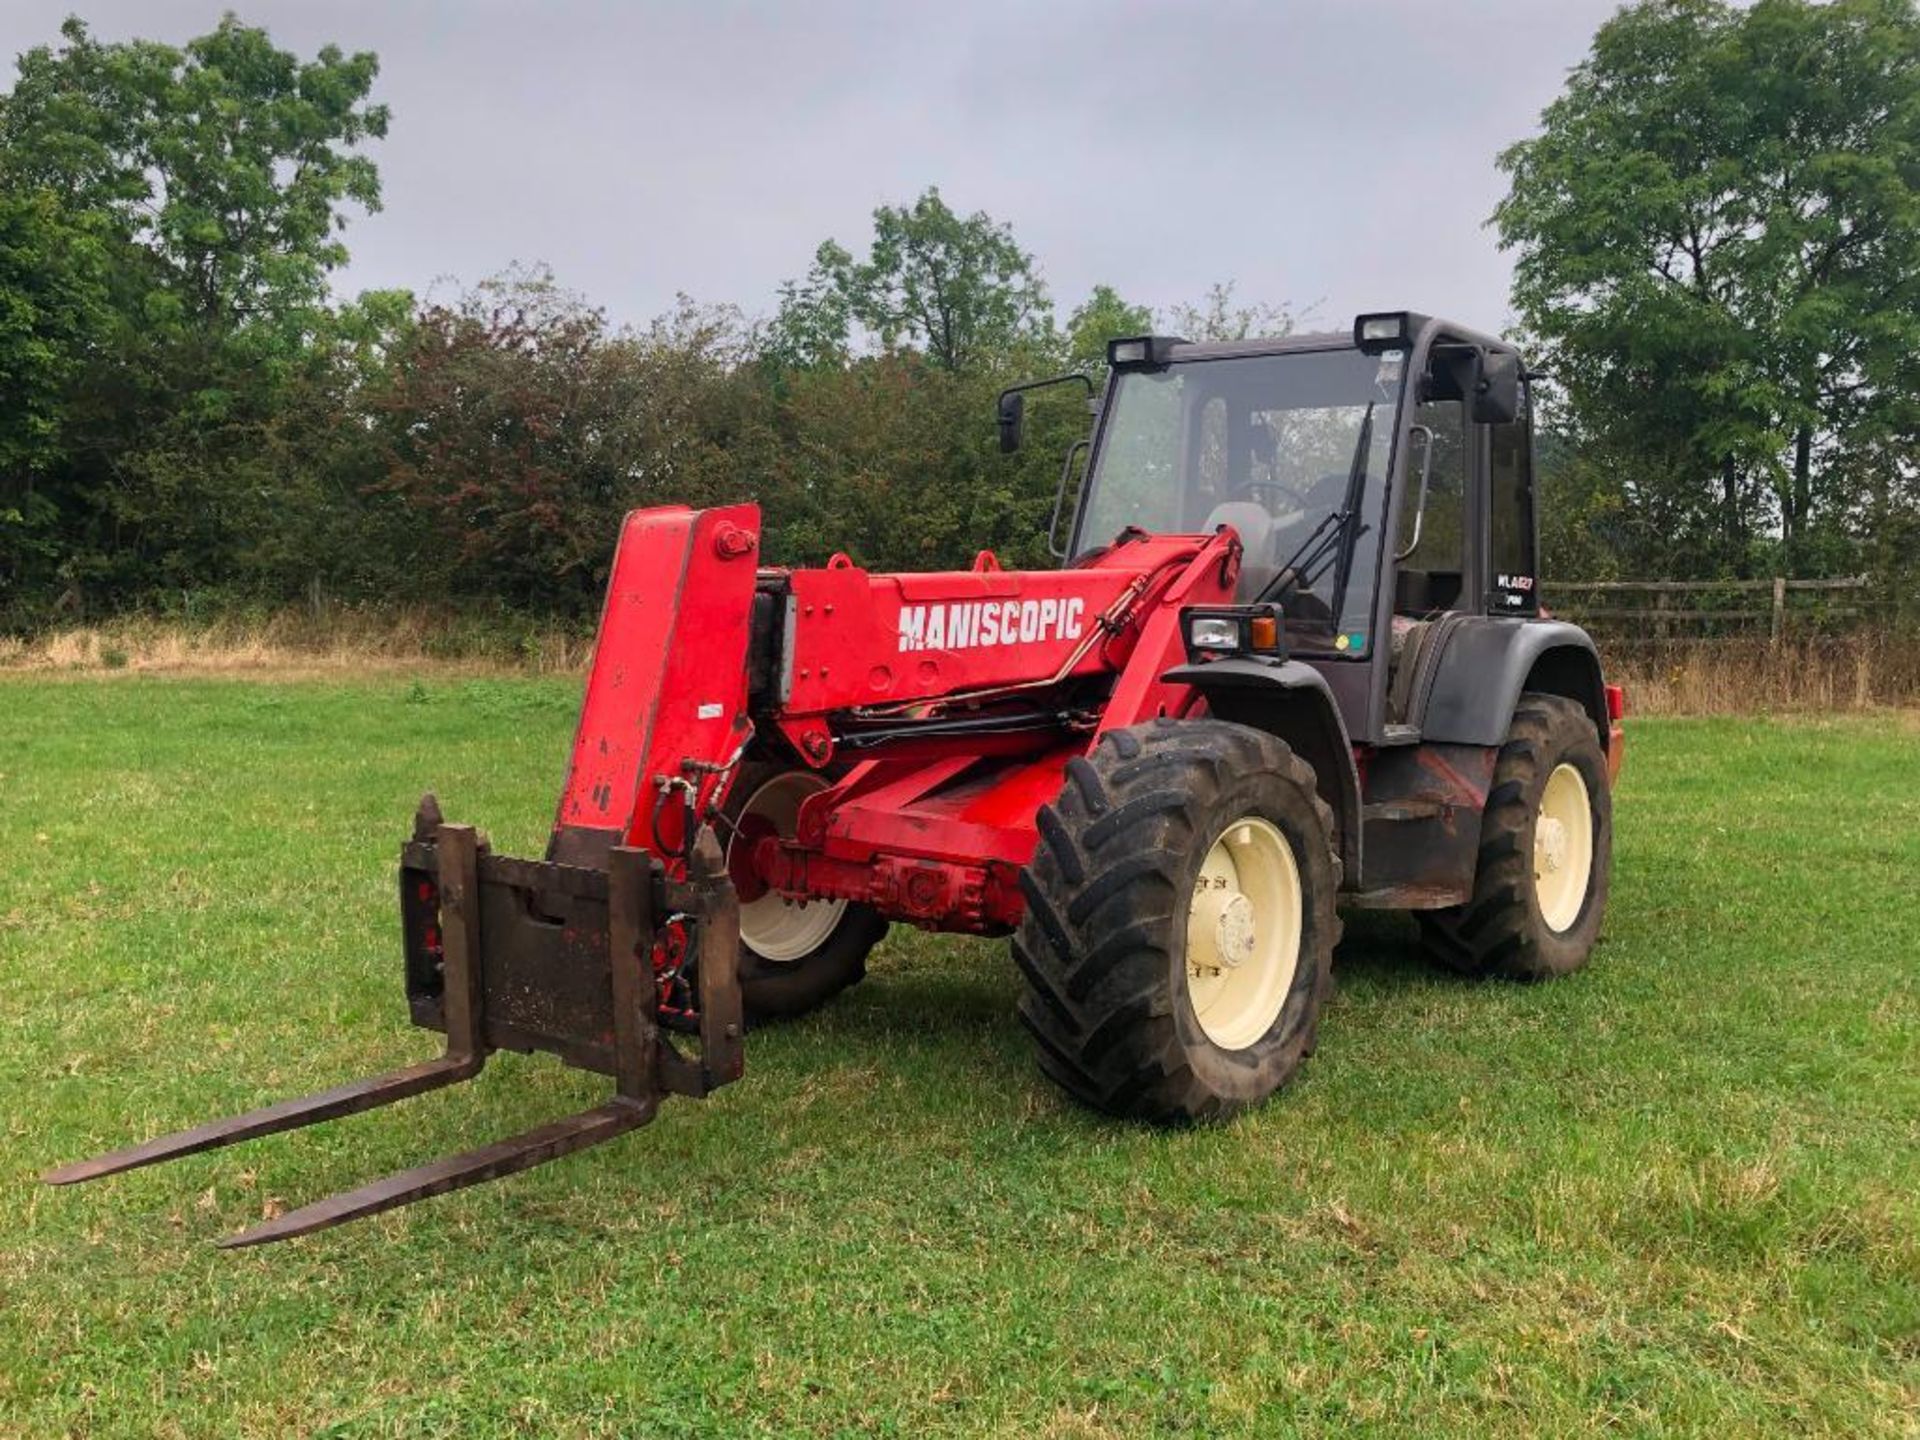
1745,677
304,643
1732,677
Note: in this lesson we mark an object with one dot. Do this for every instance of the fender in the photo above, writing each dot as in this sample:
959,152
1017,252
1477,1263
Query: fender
1489,660
1290,700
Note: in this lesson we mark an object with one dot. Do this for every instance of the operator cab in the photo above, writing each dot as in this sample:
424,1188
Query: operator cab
1380,481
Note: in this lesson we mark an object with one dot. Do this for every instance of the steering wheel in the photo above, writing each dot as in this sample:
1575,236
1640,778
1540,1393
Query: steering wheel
1247,489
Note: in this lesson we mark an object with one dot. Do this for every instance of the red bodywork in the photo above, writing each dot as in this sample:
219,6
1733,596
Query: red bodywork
947,703
1616,732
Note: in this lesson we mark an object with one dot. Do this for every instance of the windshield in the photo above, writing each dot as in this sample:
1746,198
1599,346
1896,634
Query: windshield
1267,444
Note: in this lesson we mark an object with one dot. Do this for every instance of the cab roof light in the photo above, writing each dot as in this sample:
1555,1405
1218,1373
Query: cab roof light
1141,352
1383,330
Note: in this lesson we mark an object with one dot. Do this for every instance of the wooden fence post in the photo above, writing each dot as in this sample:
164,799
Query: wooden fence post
1779,609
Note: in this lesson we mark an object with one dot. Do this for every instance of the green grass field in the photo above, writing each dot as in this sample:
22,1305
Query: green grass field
1677,1193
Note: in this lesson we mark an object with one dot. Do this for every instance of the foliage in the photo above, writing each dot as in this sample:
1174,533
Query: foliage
515,430
960,290
1718,239
52,302
179,208
1104,315
226,163
1218,316
196,424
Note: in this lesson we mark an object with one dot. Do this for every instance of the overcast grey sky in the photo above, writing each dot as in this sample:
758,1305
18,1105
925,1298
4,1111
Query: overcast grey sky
1338,152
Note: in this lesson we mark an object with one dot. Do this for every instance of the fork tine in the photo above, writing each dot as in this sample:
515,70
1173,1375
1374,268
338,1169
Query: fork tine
455,1172
345,1099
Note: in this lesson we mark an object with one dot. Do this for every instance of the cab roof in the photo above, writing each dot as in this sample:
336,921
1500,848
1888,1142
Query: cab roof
1316,340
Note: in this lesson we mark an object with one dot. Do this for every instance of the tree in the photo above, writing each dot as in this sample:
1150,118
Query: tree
227,162
814,324
205,188
517,429
1718,240
52,299
960,290
1219,317
1101,317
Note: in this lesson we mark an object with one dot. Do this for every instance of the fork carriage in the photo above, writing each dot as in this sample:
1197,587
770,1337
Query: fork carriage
506,954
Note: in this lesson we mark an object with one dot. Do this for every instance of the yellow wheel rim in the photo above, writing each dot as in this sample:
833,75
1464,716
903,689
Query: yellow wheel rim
776,927
1243,933
1563,848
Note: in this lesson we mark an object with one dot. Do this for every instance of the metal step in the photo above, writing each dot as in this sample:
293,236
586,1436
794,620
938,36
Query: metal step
1392,810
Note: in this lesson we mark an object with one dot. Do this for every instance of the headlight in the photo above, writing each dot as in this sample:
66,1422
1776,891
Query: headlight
1213,632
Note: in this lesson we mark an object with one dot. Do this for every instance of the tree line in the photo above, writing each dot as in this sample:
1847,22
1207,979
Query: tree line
1717,249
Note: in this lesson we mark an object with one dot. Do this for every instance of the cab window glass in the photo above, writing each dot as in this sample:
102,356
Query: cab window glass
1211,468
1510,562
1442,530
1275,445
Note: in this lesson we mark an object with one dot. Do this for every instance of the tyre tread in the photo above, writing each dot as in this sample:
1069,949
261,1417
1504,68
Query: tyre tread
1494,931
1093,946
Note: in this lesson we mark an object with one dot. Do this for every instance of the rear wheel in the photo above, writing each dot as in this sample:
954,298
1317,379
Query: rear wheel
1546,851
1180,924
794,954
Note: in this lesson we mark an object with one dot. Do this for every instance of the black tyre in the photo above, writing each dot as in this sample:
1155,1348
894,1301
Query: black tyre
793,956
1171,832
1546,852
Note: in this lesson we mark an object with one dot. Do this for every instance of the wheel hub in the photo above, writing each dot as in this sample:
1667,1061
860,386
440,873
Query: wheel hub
1222,921
1233,935
1244,930
774,926
1563,848
1549,844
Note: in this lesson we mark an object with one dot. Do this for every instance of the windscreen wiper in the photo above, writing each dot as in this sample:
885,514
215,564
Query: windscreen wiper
1350,533
1333,538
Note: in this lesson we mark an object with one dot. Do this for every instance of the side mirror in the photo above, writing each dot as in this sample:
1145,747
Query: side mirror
1496,389
1013,414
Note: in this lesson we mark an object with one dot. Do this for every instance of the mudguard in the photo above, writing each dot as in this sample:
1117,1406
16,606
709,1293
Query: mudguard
1489,660
1291,700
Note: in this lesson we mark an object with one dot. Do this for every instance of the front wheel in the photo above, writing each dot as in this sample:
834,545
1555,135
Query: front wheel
1179,932
1546,852
794,955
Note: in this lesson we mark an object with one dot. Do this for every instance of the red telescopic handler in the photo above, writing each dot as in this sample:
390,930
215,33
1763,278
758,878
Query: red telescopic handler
1293,662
